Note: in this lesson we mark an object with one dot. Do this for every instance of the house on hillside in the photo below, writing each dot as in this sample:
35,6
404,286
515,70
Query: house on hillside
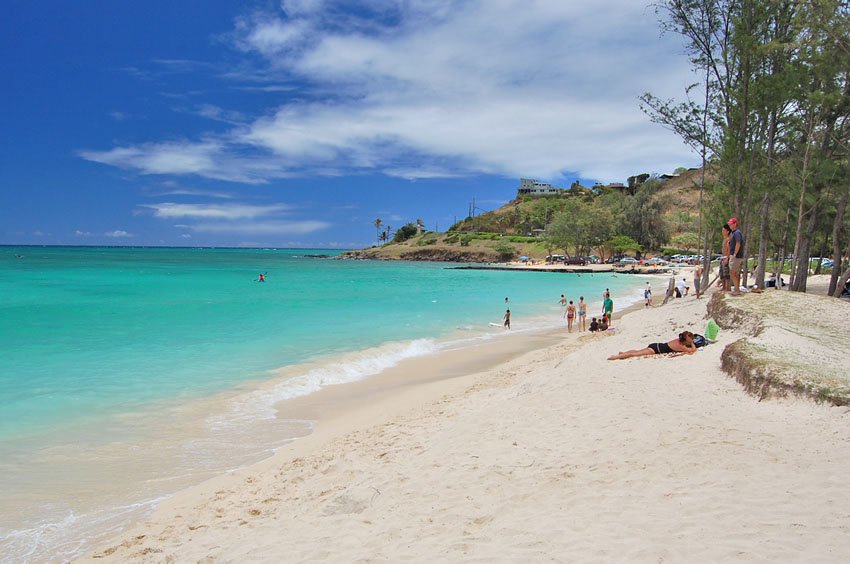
530,186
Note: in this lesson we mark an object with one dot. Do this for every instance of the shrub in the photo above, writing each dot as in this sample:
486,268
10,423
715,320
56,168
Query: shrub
506,251
405,232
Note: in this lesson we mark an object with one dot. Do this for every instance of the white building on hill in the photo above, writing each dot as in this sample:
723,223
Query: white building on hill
535,188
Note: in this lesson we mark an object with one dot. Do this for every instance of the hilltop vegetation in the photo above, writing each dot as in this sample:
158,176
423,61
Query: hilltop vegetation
580,221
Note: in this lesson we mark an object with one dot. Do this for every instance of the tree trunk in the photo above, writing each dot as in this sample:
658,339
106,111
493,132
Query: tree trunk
670,285
836,242
706,264
765,226
798,266
802,259
841,282
780,264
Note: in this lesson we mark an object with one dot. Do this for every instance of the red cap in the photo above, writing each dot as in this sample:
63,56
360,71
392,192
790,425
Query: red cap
733,220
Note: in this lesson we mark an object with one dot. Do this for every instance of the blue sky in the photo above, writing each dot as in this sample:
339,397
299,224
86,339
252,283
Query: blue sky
297,123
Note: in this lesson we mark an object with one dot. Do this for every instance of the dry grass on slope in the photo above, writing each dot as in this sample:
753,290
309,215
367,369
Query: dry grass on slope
797,343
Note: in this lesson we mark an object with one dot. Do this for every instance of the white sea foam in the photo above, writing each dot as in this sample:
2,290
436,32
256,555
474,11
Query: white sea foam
351,367
69,536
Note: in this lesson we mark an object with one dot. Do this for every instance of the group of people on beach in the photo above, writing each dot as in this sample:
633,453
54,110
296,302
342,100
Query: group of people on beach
731,267
573,313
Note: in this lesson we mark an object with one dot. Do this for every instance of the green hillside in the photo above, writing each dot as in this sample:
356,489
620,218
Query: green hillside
654,214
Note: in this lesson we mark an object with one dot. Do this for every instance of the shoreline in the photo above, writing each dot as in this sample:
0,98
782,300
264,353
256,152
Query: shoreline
639,459
90,472
340,408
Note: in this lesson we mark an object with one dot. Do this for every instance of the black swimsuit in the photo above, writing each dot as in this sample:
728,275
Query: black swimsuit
660,348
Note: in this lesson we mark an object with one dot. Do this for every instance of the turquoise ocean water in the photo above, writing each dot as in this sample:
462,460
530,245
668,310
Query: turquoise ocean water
158,365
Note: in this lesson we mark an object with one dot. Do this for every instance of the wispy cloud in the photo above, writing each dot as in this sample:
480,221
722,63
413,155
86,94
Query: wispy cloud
118,234
170,210
216,113
235,218
171,188
262,227
430,88
210,159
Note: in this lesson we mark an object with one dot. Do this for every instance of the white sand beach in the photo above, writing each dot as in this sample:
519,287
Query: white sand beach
555,455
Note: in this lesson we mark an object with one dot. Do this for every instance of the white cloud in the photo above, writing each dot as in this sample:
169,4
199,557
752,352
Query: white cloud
445,88
79,233
117,234
216,113
210,159
170,210
175,189
262,228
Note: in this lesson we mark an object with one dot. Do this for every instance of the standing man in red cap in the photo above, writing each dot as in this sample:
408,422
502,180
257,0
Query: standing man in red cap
736,255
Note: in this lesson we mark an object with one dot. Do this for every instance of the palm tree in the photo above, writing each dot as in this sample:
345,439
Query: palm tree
378,222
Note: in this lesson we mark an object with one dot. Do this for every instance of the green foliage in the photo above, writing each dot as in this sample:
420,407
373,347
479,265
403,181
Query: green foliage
581,227
623,243
771,119
506,251
642,217
466,240
687,240
427,241
405,232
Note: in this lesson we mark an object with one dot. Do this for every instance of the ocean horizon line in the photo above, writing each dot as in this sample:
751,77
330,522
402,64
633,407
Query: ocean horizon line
263,247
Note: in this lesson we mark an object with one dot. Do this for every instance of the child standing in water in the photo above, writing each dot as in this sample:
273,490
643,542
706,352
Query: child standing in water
508,319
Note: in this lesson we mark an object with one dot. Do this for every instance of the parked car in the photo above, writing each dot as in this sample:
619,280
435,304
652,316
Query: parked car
576,260
628,260
655,261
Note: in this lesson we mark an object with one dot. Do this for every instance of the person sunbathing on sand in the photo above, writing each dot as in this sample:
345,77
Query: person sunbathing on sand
683,345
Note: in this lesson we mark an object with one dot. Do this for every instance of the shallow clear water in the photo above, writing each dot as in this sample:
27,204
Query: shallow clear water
98,344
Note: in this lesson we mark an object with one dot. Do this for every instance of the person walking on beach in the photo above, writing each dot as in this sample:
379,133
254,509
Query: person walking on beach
570,314
647,296
736,255
683,345
608,308
582,314
508,319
